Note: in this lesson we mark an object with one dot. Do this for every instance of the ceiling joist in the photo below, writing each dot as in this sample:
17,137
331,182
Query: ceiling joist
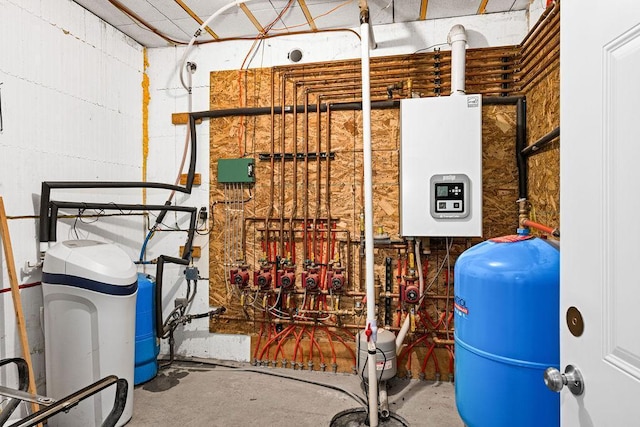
192,14
157,22
483,7
252,18
423,9
307,14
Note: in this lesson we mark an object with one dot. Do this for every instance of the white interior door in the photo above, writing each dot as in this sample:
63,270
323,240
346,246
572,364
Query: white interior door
600,209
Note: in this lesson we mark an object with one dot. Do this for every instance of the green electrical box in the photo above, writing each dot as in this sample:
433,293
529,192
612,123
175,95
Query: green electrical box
235,170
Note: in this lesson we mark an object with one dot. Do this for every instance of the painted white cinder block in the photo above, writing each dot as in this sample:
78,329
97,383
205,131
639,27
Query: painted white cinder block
71,105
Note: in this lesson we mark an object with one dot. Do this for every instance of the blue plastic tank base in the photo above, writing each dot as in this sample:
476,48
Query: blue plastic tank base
145,372
147,346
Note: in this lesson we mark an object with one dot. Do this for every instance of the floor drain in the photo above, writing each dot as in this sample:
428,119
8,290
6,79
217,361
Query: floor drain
358,417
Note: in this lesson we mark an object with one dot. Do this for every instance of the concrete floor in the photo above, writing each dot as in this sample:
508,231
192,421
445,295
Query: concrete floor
198,394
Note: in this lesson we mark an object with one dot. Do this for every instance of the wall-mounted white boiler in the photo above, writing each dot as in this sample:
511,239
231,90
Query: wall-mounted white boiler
441,166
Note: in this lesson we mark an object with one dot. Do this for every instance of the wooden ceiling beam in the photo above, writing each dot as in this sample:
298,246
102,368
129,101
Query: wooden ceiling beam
307,14
483,6
423,9
192,14
252,18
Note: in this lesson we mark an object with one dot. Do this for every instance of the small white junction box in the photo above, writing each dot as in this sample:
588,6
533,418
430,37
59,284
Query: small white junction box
441,166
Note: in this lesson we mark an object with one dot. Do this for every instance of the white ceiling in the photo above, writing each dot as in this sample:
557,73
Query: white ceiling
170,18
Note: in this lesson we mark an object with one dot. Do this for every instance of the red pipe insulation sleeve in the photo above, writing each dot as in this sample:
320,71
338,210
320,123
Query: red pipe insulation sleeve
543,228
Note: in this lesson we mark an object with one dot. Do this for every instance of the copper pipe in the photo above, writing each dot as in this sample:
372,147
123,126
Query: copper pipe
331,327
283,149
334,312
294,208
545,69
382,89
533,64
289,33
401,61
272,176
348,266
386,75
523,211
305,242
549,31
328,183
318,174
551,42
440,341
553,8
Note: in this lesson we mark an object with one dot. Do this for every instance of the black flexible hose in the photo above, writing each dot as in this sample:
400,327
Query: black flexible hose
274,374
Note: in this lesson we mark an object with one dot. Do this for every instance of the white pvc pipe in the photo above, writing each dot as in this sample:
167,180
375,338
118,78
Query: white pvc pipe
372,39
368,220
183,61
457,39
402,333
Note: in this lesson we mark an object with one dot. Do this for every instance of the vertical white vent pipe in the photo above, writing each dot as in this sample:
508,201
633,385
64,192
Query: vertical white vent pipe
371,326
457,39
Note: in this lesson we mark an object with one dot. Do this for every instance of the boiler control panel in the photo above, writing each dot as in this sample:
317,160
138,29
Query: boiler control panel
449,196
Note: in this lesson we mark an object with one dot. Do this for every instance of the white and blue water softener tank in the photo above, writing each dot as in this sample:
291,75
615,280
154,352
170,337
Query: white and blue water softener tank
507,332
89,290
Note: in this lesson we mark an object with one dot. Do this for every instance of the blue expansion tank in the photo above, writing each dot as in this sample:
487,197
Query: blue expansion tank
507,332
147,345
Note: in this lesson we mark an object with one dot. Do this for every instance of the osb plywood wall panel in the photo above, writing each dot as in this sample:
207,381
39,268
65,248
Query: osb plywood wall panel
340,132
499,171
540,83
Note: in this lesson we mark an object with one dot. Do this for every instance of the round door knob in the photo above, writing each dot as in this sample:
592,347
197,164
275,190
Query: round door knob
572,378
553,379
